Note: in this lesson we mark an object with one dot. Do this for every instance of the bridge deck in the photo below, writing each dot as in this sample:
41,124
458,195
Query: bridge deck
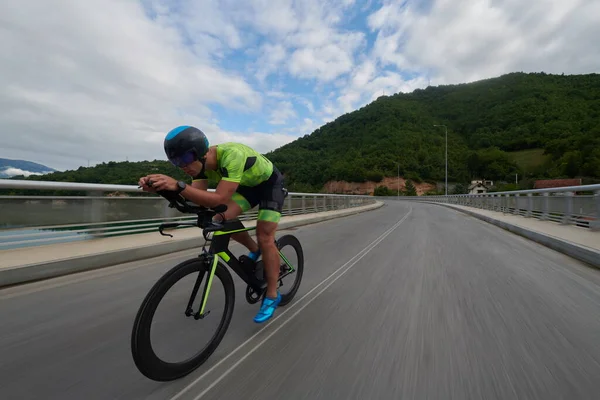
439,306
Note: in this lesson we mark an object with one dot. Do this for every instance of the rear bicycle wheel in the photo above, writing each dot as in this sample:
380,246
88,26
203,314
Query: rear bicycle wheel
144,355
297,268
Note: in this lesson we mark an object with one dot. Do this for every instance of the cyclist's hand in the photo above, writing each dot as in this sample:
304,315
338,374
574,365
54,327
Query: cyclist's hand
163,182
143,183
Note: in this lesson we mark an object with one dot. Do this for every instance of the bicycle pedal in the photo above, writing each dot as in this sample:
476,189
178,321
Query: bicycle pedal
201,316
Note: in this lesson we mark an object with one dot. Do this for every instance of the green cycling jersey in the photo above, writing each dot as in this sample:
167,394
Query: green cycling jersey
238,163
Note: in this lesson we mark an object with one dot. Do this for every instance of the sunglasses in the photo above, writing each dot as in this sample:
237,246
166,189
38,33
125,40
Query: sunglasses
183,160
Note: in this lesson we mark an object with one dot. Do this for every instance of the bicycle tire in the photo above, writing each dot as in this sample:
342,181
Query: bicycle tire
146,360
291,240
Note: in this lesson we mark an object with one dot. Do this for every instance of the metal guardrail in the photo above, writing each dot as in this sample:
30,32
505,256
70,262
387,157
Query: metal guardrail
568,205
37,220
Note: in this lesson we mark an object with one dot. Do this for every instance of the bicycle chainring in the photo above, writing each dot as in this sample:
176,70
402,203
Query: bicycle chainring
253,297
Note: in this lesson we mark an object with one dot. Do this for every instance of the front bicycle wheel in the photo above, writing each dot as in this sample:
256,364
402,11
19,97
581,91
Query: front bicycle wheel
145,356
290,266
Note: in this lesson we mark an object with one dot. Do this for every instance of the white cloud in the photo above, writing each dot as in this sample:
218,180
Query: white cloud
184,16
277,94
105,80
308,30
260,141
267,17
283,112
454,42
272,55
470,40
307,127
309,105
328,60
75,89
10,172
365,84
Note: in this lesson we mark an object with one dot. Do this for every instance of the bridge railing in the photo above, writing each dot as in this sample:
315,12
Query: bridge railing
569,205
115,210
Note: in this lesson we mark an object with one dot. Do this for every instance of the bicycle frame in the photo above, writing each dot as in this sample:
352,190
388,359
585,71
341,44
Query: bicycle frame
211,262
219,249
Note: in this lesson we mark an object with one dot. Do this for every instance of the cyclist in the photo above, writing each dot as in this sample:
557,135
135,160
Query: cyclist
244,179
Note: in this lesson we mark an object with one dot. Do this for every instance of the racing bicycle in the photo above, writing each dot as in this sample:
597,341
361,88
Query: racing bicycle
209,264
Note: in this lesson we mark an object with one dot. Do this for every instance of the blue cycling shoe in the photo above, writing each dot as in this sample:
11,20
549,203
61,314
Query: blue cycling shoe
267,308
254,256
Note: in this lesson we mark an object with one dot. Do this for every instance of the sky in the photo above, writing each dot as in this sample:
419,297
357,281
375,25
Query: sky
90,81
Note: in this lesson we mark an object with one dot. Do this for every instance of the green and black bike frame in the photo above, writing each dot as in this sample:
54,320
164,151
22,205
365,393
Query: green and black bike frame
219,249
219,245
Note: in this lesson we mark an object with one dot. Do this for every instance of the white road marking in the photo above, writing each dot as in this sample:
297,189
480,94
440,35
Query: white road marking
348,265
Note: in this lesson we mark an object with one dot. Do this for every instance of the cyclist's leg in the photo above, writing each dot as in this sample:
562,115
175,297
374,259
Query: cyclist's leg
269,215
237,206
265,233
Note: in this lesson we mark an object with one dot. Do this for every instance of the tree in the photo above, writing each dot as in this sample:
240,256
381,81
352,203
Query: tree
410,189
487,120
383,191
460,189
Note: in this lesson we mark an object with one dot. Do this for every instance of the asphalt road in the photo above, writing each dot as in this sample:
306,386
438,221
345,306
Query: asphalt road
410,301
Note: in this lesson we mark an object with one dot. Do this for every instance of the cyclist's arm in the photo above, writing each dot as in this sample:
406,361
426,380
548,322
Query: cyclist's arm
234,169
221,195
201,184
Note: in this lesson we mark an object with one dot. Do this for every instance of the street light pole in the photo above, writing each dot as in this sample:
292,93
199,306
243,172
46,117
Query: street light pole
398,181
446,187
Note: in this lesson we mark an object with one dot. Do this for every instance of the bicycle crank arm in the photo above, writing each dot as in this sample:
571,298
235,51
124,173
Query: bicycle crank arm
284,275
198,316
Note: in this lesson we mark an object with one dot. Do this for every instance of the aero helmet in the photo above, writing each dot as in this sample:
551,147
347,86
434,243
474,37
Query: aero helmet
185,144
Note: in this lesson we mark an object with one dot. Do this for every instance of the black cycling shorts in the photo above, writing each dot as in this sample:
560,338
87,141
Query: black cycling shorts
268,195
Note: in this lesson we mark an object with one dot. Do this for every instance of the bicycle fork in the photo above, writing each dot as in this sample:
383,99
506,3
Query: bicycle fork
189,310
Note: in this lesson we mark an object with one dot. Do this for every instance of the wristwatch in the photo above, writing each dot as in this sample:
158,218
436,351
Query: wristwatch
181,185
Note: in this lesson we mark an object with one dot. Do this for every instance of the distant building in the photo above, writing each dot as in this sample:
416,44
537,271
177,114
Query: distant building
556,183
479,186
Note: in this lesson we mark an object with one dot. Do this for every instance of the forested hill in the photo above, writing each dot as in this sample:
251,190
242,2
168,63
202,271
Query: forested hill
118,173
487,122
534,125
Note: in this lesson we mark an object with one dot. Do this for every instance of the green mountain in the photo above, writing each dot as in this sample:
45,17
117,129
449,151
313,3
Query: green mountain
536,125
490,123
117,173
10,167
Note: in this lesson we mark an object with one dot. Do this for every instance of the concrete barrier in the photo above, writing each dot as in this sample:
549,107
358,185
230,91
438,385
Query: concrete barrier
69,265
584,254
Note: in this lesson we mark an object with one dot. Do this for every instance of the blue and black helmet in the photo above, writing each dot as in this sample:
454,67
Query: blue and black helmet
185,144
